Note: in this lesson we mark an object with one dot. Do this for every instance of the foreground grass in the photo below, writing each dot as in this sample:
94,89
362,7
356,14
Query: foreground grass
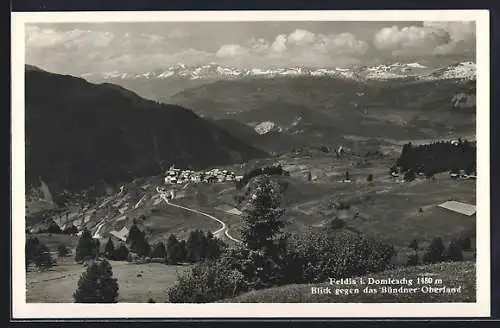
452,274
137,282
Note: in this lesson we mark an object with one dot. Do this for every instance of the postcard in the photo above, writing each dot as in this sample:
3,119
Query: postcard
315,164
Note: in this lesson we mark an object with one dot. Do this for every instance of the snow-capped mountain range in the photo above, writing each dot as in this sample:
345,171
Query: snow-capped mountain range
462,71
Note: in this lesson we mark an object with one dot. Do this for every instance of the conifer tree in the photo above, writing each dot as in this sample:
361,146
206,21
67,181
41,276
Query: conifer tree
62,250
120,253
97,285
138,242
159,251
261,217
454,252
192,246
31,245
85,247
183,253
109,249
173,250
413,245
42,258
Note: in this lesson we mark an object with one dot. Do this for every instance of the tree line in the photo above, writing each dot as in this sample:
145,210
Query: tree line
267,170
437,157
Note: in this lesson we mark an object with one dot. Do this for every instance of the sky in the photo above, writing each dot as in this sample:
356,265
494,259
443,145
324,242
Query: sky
145,46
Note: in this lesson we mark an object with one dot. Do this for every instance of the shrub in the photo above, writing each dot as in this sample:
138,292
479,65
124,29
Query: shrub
97,285
337,223
207,282
62,250
340,254
121,253
369,178
42,257
409,175
53,227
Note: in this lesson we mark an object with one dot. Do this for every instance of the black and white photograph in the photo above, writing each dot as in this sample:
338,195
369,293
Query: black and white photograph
227,158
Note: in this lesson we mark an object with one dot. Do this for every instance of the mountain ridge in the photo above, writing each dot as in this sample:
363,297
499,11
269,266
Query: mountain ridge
375,72
79,134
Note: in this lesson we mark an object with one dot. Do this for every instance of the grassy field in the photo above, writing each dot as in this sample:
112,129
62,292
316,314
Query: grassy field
453,275
137,282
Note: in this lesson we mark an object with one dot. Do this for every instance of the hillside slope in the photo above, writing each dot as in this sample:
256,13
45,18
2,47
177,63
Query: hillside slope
397,109
453,275
79,134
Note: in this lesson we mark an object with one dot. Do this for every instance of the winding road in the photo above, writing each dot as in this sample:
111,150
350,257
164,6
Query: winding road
224,229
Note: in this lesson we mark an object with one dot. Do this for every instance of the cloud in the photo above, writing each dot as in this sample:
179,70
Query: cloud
301,38
279,45
45,37
431,38
300,47
231,50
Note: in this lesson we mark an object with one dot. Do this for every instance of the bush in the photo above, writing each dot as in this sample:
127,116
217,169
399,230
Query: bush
121,253
337,223
42,257
369,178
409,176
207,282
63,251
53,227
340,254
97,285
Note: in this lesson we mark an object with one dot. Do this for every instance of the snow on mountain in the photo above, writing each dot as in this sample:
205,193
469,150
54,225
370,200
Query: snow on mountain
463,70
416,65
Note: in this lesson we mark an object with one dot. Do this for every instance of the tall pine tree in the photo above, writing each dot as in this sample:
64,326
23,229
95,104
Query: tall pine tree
173,250
262,223
109,249
86,246
159,251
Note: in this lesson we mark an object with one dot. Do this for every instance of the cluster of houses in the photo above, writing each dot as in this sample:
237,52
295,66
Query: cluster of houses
178,176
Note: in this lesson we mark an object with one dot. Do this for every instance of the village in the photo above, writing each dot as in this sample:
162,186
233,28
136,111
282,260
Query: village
178,176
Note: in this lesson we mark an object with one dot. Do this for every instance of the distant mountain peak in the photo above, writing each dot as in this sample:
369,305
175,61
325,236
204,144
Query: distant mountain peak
212,70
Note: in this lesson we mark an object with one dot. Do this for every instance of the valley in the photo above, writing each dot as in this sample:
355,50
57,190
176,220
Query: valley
336,138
